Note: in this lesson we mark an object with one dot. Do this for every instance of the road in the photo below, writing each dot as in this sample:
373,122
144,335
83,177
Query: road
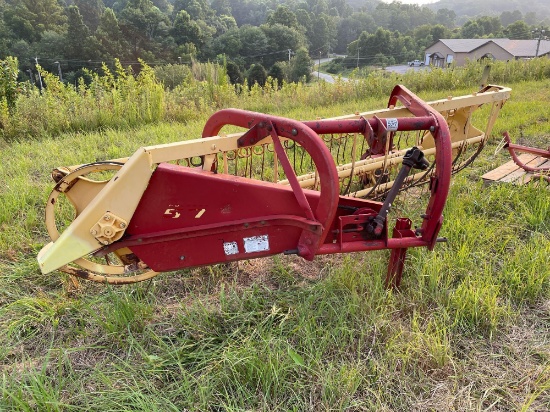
401,69
326,77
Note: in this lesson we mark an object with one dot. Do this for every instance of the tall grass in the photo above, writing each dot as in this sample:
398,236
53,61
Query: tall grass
123,99
468,331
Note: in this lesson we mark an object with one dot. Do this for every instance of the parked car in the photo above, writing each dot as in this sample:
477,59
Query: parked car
416,63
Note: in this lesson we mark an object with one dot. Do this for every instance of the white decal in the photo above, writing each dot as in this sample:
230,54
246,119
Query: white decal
256,244
392,124
201,212
173,212
230,248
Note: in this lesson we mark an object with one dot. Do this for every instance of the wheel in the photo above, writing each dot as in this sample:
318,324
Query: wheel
79,188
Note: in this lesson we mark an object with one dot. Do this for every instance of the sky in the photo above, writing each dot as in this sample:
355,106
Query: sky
413,1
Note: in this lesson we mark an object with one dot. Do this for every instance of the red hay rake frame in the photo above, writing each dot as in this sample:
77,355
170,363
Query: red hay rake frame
216,199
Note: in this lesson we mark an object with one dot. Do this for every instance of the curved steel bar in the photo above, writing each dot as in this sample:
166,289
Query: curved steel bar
512,150
441,180
426,118
259,126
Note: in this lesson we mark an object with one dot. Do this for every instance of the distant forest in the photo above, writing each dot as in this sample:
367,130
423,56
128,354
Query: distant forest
273,36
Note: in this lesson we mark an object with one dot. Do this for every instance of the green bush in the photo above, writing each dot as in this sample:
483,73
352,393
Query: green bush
175,92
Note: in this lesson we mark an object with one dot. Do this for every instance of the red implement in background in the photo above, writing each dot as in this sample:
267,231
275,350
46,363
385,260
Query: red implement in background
539,171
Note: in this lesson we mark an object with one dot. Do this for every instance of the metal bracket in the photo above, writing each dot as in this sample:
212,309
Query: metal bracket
109,228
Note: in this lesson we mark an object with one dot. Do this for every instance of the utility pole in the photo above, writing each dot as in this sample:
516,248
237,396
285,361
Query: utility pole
289,51
39,76
319,67
357,57
30,75
541,32
59,71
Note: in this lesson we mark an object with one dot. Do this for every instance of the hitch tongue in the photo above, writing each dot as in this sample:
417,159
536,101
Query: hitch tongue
414,158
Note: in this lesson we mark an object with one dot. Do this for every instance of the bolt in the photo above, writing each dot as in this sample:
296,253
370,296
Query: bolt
246,225
261,125
182,257
122,225
432,129
107,217
93,232
105,242
213,147
294,132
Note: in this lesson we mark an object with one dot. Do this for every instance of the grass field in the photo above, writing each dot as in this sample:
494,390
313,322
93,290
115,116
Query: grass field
469,331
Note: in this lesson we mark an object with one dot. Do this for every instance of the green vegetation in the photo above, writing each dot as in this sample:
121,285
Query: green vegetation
65,37
468,331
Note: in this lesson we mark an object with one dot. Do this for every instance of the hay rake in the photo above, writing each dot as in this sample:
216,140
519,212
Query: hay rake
282,186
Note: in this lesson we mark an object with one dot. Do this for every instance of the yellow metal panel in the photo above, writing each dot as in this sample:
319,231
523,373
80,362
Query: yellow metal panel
120,197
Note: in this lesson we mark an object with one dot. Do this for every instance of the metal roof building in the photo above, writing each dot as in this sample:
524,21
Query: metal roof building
446,51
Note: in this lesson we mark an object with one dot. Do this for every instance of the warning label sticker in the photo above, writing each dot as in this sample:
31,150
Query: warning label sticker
256,244
392,124
230,248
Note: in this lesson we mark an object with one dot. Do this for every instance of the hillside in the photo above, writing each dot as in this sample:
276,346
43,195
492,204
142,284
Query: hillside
535,9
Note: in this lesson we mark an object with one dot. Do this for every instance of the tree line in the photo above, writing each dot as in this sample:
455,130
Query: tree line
252,38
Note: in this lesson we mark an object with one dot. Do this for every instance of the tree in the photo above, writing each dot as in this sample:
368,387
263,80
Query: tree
228,44
472,30
324,34
300,66
234,73
306,23
482,27
51,44
91,11
509,17
370,48
185,30
280,39
518,30
445,17
139,21
197,9
253,43
77,34
492,26
28,19
277,72
351,27
283,16
110,37
8,81
256,74
222,7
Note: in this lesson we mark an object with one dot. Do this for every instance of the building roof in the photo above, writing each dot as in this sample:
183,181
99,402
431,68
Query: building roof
517,48
465,45
524,48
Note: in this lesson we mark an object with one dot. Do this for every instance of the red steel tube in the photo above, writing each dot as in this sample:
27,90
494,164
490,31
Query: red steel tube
512,150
